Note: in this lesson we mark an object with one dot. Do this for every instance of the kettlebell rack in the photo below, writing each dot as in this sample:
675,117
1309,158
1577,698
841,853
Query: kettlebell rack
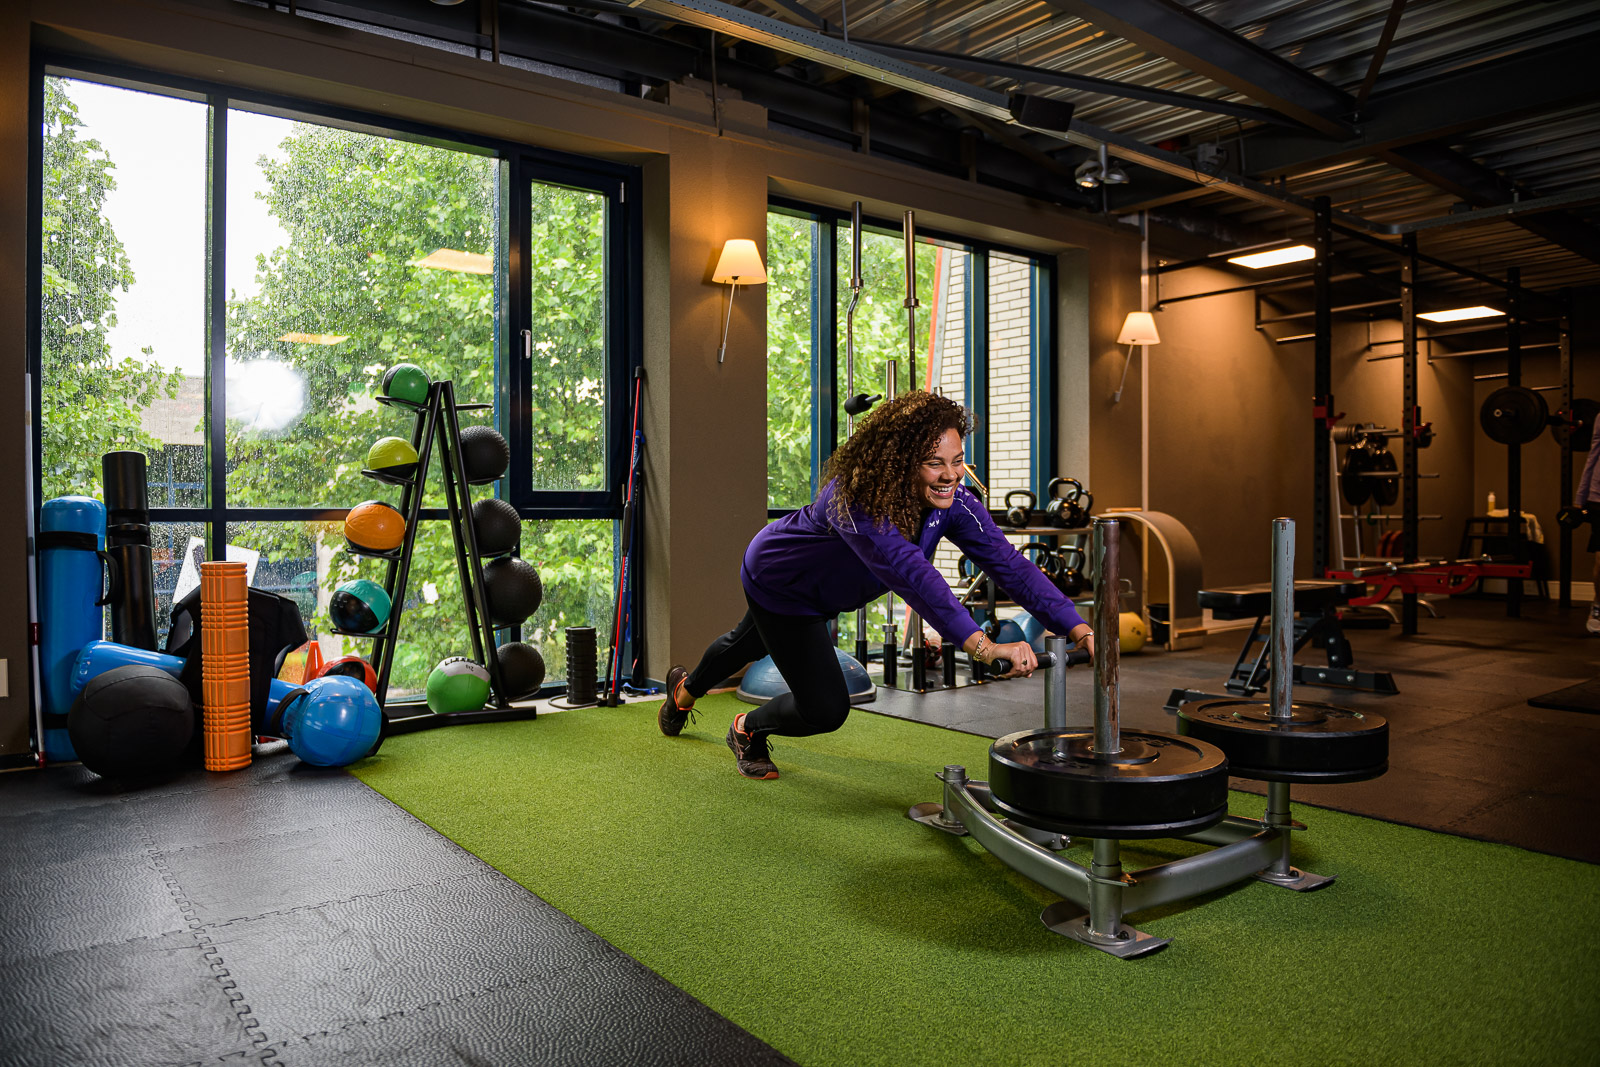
436,423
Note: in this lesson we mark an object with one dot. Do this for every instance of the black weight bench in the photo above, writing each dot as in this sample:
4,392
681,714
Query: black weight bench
1316,619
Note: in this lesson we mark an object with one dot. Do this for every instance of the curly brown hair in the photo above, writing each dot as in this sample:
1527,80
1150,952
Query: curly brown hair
876,470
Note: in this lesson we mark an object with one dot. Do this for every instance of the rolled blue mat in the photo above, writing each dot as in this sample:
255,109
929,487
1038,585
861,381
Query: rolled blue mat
71,539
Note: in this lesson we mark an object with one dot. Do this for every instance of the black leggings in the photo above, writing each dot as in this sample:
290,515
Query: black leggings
818,699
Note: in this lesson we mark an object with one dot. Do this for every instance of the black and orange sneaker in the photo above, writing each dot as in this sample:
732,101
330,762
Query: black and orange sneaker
750,751
671,717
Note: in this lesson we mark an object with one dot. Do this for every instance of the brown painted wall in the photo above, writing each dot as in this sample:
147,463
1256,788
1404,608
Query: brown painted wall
1230,430
706,465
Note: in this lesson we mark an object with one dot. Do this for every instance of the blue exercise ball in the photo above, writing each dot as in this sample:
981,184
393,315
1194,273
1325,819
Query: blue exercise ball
1032,632
762,682
335,723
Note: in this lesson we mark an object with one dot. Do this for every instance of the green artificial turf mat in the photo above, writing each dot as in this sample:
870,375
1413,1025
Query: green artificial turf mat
813,913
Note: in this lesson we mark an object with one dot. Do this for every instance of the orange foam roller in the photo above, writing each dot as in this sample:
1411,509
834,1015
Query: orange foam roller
225,665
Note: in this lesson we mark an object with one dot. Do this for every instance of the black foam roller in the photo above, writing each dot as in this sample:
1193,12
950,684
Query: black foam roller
127,498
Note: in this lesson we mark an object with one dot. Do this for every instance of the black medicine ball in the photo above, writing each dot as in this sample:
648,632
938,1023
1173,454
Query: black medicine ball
131,721
513,590
522,669
484,454
496,526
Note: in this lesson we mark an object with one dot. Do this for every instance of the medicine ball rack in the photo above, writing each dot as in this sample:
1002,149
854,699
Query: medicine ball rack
1111,785
436,422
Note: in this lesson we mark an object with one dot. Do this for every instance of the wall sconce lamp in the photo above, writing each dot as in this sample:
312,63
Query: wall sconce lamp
1139,328
739,264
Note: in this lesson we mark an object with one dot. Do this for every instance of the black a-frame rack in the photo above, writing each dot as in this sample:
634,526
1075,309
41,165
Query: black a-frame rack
437,422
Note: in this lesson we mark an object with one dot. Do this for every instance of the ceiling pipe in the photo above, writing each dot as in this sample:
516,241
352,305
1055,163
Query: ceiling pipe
957,95
864,62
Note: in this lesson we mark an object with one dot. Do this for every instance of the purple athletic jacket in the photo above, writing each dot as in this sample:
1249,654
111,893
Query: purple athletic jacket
808,564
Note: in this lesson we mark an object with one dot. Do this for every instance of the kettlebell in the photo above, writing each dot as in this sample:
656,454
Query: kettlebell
1067,511
1044,557
1069,571
1020,514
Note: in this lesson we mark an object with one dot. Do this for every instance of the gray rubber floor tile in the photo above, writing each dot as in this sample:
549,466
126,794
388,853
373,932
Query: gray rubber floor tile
188,819
248,878
599,1015
150,1002
334,966
39,840
97,900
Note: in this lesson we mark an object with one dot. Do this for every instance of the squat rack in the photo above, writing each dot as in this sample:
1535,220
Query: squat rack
1412,430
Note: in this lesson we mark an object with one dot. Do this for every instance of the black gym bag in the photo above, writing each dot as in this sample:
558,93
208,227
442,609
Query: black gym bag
276,629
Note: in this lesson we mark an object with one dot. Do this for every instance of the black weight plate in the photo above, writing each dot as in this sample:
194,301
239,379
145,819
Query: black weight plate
1320,743
1159,785
1352,486
1514,415
1578,424
1384,490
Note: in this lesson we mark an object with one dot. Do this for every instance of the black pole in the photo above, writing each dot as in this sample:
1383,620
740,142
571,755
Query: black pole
469,567
1408,423
1564,326
1322,387
1514,450
127,498
399,568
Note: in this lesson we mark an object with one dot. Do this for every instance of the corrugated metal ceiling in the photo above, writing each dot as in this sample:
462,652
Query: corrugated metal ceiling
1476,102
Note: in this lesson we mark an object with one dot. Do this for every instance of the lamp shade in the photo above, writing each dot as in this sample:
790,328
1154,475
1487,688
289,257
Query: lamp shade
740,263
1139,328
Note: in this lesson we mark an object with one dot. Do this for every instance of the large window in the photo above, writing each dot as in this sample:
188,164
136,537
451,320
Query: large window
979,334
222,286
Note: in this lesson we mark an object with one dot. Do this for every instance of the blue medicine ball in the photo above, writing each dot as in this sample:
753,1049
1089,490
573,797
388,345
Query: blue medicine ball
335,723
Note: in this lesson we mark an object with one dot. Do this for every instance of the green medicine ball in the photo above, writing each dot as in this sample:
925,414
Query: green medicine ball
393,456
406,381
457,684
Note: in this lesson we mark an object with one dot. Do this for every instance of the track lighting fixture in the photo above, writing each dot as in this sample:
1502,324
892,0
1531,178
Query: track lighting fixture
1101,171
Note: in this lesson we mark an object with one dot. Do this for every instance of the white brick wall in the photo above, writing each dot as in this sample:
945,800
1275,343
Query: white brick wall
1010,422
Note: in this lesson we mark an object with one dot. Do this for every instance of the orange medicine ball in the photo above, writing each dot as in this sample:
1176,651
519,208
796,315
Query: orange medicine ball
375,526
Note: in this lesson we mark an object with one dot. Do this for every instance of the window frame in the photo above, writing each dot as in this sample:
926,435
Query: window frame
520,165
827,388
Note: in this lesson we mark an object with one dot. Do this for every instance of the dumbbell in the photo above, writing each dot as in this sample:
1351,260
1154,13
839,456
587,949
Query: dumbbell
1571,518
1046,661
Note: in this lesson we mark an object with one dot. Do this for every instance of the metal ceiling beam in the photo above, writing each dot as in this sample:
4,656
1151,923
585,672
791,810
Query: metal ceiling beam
1030,75
1385,39
1172,31
1473,98
1167,29
1479,185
